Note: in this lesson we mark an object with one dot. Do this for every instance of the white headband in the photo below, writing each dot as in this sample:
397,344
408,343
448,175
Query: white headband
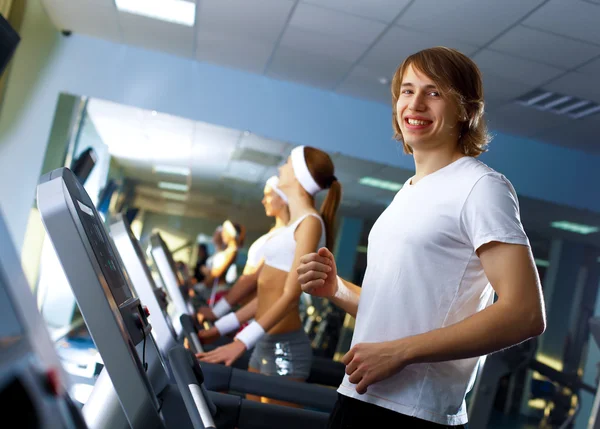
273,183
301,171
230,228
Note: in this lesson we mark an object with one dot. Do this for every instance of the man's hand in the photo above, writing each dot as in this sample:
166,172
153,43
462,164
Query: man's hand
208,336
368,363
317,273
227,354
206,313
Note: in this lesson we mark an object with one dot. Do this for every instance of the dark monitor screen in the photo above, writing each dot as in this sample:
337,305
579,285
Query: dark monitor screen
84,164
131,213
101,247
9,39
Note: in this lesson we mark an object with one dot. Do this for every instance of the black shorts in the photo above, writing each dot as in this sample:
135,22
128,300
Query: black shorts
350,413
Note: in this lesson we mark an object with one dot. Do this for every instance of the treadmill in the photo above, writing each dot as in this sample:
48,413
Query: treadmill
120,328
172,319
217,377
132,256
34,388
170,276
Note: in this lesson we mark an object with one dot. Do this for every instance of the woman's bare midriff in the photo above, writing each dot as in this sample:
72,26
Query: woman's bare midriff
270,288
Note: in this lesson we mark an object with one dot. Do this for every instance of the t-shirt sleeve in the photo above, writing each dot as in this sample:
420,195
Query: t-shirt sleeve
491,213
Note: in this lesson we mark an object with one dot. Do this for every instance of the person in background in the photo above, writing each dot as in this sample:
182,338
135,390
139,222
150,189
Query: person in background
281,347
215,273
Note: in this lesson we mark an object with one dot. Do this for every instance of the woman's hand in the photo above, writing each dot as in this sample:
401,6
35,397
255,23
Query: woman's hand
227,354
205,313
208,336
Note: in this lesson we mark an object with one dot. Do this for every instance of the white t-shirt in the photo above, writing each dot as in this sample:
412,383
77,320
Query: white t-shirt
423,274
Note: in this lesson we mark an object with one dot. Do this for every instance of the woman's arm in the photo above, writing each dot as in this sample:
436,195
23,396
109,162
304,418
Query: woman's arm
247,312
218,270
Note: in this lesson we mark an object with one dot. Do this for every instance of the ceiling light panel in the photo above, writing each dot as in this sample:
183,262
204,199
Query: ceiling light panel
559,104
575,227
175,11
380,184
170,186
174,196
172,169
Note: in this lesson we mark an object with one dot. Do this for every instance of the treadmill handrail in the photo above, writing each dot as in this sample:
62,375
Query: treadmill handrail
232,411
571,381
191,390
191,333
220,377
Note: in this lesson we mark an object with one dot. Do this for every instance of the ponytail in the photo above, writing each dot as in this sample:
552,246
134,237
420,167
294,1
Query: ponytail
321,170
329,210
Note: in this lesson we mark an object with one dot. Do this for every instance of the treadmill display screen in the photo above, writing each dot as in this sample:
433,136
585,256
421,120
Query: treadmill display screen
10,326
104,253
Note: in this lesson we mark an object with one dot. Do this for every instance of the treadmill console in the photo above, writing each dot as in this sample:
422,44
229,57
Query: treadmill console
157,241
100,249
112,312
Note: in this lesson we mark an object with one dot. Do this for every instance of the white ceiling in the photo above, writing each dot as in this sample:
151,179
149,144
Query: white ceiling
347,46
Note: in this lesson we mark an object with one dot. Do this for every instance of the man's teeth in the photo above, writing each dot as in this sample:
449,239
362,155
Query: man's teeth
417,122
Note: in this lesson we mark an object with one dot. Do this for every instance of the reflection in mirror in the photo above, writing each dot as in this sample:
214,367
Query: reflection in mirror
184,179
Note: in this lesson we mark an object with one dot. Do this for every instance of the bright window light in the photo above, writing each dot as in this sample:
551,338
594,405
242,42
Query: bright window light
174,196
81,392
171,169
381,184
575,227
175,11
173,186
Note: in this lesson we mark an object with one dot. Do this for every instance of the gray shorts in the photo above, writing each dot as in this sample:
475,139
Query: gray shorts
288,355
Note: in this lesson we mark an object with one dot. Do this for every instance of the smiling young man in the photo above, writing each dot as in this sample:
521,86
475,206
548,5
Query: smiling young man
449,241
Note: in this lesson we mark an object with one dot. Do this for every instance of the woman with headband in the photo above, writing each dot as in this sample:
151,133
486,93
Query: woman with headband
231,235
275,204
281,347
